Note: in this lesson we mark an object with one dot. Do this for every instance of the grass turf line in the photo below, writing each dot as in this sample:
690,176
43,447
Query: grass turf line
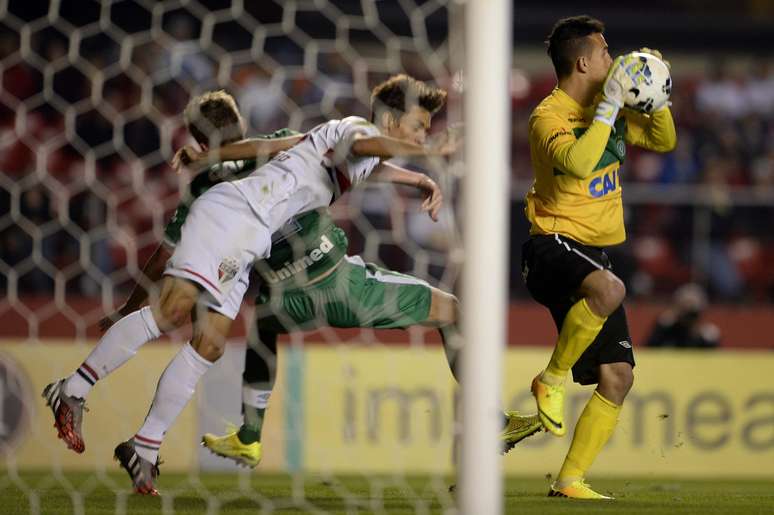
245,493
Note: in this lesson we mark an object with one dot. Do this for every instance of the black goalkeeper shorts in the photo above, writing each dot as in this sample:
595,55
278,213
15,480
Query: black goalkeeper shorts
553,268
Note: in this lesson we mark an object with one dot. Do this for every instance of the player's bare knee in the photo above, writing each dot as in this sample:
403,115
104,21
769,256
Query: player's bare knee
444,309
625,378
210,335
616,292
176,308
176,302
208,348
615,381
172,307
606,295
454,309
212,353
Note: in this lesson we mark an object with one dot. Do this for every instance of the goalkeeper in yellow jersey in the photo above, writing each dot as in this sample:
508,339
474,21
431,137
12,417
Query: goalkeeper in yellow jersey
578,136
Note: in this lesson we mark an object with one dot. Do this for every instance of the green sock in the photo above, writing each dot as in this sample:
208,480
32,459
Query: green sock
251,427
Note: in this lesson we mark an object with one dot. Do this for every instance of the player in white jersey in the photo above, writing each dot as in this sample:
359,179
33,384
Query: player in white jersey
241,216
230,226
211,114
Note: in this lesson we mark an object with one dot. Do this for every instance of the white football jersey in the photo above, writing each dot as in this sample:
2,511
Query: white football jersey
310,175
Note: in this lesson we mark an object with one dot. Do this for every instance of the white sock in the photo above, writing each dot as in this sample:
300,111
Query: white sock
119,343
176,387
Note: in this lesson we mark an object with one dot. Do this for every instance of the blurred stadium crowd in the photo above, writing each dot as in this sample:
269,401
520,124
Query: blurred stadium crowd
85,187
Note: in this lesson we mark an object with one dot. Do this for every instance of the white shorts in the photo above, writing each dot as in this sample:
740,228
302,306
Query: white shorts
220,240
233,301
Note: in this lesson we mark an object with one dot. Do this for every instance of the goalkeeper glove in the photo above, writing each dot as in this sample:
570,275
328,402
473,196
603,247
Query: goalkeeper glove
615,87
625,73
653,51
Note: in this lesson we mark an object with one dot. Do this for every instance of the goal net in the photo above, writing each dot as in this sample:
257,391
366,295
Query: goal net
90,117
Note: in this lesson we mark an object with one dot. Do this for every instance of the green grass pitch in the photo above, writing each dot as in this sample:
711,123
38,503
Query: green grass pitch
51,493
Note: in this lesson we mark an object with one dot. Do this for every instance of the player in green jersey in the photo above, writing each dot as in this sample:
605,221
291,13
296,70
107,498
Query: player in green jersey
309,282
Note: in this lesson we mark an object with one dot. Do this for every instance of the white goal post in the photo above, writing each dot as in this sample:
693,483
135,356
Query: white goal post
488,48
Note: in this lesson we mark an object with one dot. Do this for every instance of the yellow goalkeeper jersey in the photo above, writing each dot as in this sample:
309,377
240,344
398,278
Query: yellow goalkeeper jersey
576,160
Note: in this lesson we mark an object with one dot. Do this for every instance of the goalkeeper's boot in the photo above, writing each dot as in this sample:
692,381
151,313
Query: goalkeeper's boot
142,472
550,405
578,489
231,447
517,428
68,415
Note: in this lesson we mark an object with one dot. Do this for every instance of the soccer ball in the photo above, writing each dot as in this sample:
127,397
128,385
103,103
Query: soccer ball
653,85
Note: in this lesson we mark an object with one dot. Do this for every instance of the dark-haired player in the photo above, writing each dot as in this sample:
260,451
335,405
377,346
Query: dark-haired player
578,136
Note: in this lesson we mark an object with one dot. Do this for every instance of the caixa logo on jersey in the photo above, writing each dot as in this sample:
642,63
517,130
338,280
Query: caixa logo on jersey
604,184
15,404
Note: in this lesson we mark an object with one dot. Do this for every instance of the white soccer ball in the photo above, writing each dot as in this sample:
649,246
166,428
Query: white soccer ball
653,85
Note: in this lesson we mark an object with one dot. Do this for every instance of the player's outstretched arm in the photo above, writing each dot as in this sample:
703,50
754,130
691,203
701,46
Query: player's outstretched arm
386,147
254,147
245,149
151,274
388,172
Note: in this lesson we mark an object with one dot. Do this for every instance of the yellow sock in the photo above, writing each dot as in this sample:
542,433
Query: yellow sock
594,428
579,329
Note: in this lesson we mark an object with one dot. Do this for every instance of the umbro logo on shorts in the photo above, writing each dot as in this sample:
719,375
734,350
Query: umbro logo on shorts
625,344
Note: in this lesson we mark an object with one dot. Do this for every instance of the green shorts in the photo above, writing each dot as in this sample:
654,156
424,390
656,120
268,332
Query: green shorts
356,294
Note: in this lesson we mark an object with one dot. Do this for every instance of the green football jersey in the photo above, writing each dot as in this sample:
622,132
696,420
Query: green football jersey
302,250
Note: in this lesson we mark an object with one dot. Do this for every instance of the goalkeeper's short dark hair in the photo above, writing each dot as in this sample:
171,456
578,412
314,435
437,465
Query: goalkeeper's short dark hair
567,41
213,119
400,93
